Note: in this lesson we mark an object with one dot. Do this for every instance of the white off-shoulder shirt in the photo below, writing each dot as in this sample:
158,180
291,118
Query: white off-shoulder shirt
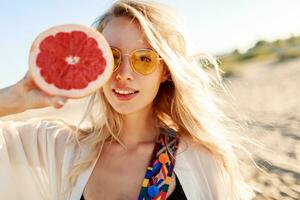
34,163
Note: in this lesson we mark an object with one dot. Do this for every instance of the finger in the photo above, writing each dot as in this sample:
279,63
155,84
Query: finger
58,102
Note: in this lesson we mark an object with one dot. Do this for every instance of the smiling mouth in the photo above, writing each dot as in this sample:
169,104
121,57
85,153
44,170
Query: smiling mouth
125,93
125,97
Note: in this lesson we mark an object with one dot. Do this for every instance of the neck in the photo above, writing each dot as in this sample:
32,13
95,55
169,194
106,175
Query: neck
139,128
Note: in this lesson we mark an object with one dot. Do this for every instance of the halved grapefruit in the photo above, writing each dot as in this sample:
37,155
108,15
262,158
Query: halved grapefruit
70,60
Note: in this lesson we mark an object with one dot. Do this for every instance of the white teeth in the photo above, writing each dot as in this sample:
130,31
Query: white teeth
123,92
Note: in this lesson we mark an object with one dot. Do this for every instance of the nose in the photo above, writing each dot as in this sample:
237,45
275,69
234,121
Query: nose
124,71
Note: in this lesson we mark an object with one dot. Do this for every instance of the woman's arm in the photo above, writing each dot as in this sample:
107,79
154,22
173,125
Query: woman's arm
31,147
26,95
11,101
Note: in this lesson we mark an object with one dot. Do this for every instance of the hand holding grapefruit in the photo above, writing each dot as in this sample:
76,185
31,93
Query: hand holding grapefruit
33,97
70,61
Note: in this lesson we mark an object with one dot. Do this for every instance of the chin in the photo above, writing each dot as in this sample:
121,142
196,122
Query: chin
125,110
130,108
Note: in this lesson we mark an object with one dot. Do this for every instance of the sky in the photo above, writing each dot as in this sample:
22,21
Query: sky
216,26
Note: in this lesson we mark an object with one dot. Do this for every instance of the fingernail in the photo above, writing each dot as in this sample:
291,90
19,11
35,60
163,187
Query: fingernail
61,101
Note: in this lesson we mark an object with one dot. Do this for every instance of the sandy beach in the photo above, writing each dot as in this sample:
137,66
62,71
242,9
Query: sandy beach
267,97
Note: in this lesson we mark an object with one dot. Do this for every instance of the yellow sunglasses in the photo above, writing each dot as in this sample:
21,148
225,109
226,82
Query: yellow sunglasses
142,61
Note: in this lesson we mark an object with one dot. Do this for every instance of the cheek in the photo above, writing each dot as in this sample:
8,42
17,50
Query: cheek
151,86
107,90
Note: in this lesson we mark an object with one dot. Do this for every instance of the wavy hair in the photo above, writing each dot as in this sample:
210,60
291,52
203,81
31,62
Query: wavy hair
187,102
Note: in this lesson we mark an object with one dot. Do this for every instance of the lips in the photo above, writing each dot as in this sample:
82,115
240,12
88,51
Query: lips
118,91
125,97
124,89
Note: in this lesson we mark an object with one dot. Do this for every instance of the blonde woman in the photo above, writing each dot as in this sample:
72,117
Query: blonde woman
109,159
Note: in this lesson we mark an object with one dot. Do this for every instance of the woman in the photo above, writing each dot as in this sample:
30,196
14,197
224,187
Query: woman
108,160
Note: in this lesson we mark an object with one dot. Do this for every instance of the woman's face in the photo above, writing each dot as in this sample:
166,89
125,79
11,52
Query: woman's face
126,35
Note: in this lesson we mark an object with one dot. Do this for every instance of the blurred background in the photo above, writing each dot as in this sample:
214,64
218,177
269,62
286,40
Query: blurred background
256,42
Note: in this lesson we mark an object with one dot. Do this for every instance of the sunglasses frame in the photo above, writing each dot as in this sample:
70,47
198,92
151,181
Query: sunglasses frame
130,58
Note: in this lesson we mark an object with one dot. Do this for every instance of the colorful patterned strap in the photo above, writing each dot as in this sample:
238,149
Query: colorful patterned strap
159,171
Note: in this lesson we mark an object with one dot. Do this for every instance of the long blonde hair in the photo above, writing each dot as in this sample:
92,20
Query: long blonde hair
187,102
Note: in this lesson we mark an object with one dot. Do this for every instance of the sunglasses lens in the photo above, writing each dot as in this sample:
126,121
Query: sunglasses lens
117,57
144,61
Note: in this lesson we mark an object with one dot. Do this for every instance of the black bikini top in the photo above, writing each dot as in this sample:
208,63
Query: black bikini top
177,194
